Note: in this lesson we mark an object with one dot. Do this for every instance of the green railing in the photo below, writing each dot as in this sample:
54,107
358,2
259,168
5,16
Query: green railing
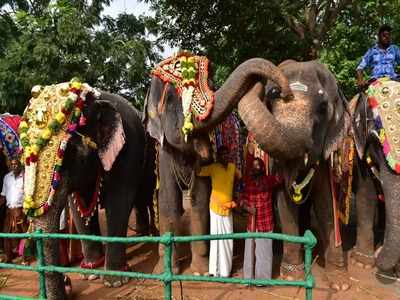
167,277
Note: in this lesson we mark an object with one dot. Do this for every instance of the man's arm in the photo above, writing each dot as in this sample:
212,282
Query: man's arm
205,171
365,62
3,192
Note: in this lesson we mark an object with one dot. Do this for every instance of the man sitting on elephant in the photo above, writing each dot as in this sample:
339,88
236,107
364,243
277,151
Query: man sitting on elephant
382,58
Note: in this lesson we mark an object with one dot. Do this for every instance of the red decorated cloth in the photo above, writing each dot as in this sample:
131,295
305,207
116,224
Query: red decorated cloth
12,121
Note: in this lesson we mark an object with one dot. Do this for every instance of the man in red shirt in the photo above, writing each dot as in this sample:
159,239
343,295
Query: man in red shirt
257,200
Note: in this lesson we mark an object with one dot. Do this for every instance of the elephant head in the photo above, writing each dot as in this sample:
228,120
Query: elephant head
69,133
164,116
304,130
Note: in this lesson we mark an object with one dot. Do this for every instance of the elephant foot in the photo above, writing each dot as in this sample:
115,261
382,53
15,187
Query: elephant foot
386,277
338,279
116,281
159,268
199,265
292,272
362,260
90,277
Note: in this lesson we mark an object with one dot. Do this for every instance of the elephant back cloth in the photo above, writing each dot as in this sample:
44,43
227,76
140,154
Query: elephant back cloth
9,137
384,101
228,134
188,73
53,114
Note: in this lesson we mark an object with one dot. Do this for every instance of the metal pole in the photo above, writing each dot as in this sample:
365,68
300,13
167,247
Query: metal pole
308,263
168,265
41,263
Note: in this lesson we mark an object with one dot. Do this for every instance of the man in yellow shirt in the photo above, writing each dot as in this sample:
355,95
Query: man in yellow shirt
222,176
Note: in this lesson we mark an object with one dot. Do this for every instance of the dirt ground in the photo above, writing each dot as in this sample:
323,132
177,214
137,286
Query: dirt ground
143,258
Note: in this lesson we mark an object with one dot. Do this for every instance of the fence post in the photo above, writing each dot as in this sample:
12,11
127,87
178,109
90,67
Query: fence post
40,263
167,241
309,245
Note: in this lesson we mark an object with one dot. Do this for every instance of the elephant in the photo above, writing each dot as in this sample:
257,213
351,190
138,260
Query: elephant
102,155
376,143
166,121
300,135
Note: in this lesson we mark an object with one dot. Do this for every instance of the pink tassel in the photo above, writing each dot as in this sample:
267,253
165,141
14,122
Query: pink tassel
386,147
110,153
82,121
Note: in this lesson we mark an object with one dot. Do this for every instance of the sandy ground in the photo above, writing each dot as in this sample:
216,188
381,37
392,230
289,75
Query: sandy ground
144,257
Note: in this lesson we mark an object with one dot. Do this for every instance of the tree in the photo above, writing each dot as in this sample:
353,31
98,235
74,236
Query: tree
337,32
66,39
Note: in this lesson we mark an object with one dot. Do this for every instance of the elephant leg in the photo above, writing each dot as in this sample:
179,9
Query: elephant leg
92,251
199,225
50,223
388,256
291,266
142,218
366,200
118,205
170,206
336,272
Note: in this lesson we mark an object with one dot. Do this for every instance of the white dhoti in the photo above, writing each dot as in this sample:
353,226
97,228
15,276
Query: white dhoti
221,251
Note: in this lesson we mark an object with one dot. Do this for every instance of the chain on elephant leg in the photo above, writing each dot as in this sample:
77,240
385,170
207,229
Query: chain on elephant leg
292,272
362,259
291,267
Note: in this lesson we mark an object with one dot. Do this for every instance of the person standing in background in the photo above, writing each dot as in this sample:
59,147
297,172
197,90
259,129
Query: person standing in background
12,195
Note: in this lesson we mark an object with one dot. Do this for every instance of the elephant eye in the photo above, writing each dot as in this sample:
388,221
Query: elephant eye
323,107
273,93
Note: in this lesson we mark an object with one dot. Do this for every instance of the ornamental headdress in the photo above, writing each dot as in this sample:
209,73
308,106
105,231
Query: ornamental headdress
189,75
52,115
9,139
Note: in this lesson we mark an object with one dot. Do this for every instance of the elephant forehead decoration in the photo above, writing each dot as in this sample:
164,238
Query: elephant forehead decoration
51,117
384,101
189,74
9,140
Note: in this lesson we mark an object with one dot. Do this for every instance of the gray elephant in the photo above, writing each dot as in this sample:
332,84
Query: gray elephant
77,140
183,143
375,131
301,134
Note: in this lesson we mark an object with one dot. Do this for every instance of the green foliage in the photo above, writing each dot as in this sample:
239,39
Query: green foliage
229,32
66,39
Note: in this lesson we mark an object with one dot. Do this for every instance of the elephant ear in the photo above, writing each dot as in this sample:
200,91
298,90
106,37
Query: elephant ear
339,124
359,111
154,106
110,135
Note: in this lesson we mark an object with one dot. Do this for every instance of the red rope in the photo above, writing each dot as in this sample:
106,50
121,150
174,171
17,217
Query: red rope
88,211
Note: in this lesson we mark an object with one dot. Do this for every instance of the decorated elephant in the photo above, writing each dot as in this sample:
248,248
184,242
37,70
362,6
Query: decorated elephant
181,111
301,135
375,122
92,144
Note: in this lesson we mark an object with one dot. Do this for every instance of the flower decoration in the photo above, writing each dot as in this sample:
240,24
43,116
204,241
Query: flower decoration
189,75
70,98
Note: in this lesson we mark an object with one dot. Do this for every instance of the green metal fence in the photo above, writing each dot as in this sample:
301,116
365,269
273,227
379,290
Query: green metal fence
167,277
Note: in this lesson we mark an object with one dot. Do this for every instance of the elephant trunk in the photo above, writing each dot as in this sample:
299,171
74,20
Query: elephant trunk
390,254
238,83
273,137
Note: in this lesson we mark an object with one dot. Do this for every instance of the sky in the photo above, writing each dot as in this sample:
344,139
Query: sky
128,6
137,8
